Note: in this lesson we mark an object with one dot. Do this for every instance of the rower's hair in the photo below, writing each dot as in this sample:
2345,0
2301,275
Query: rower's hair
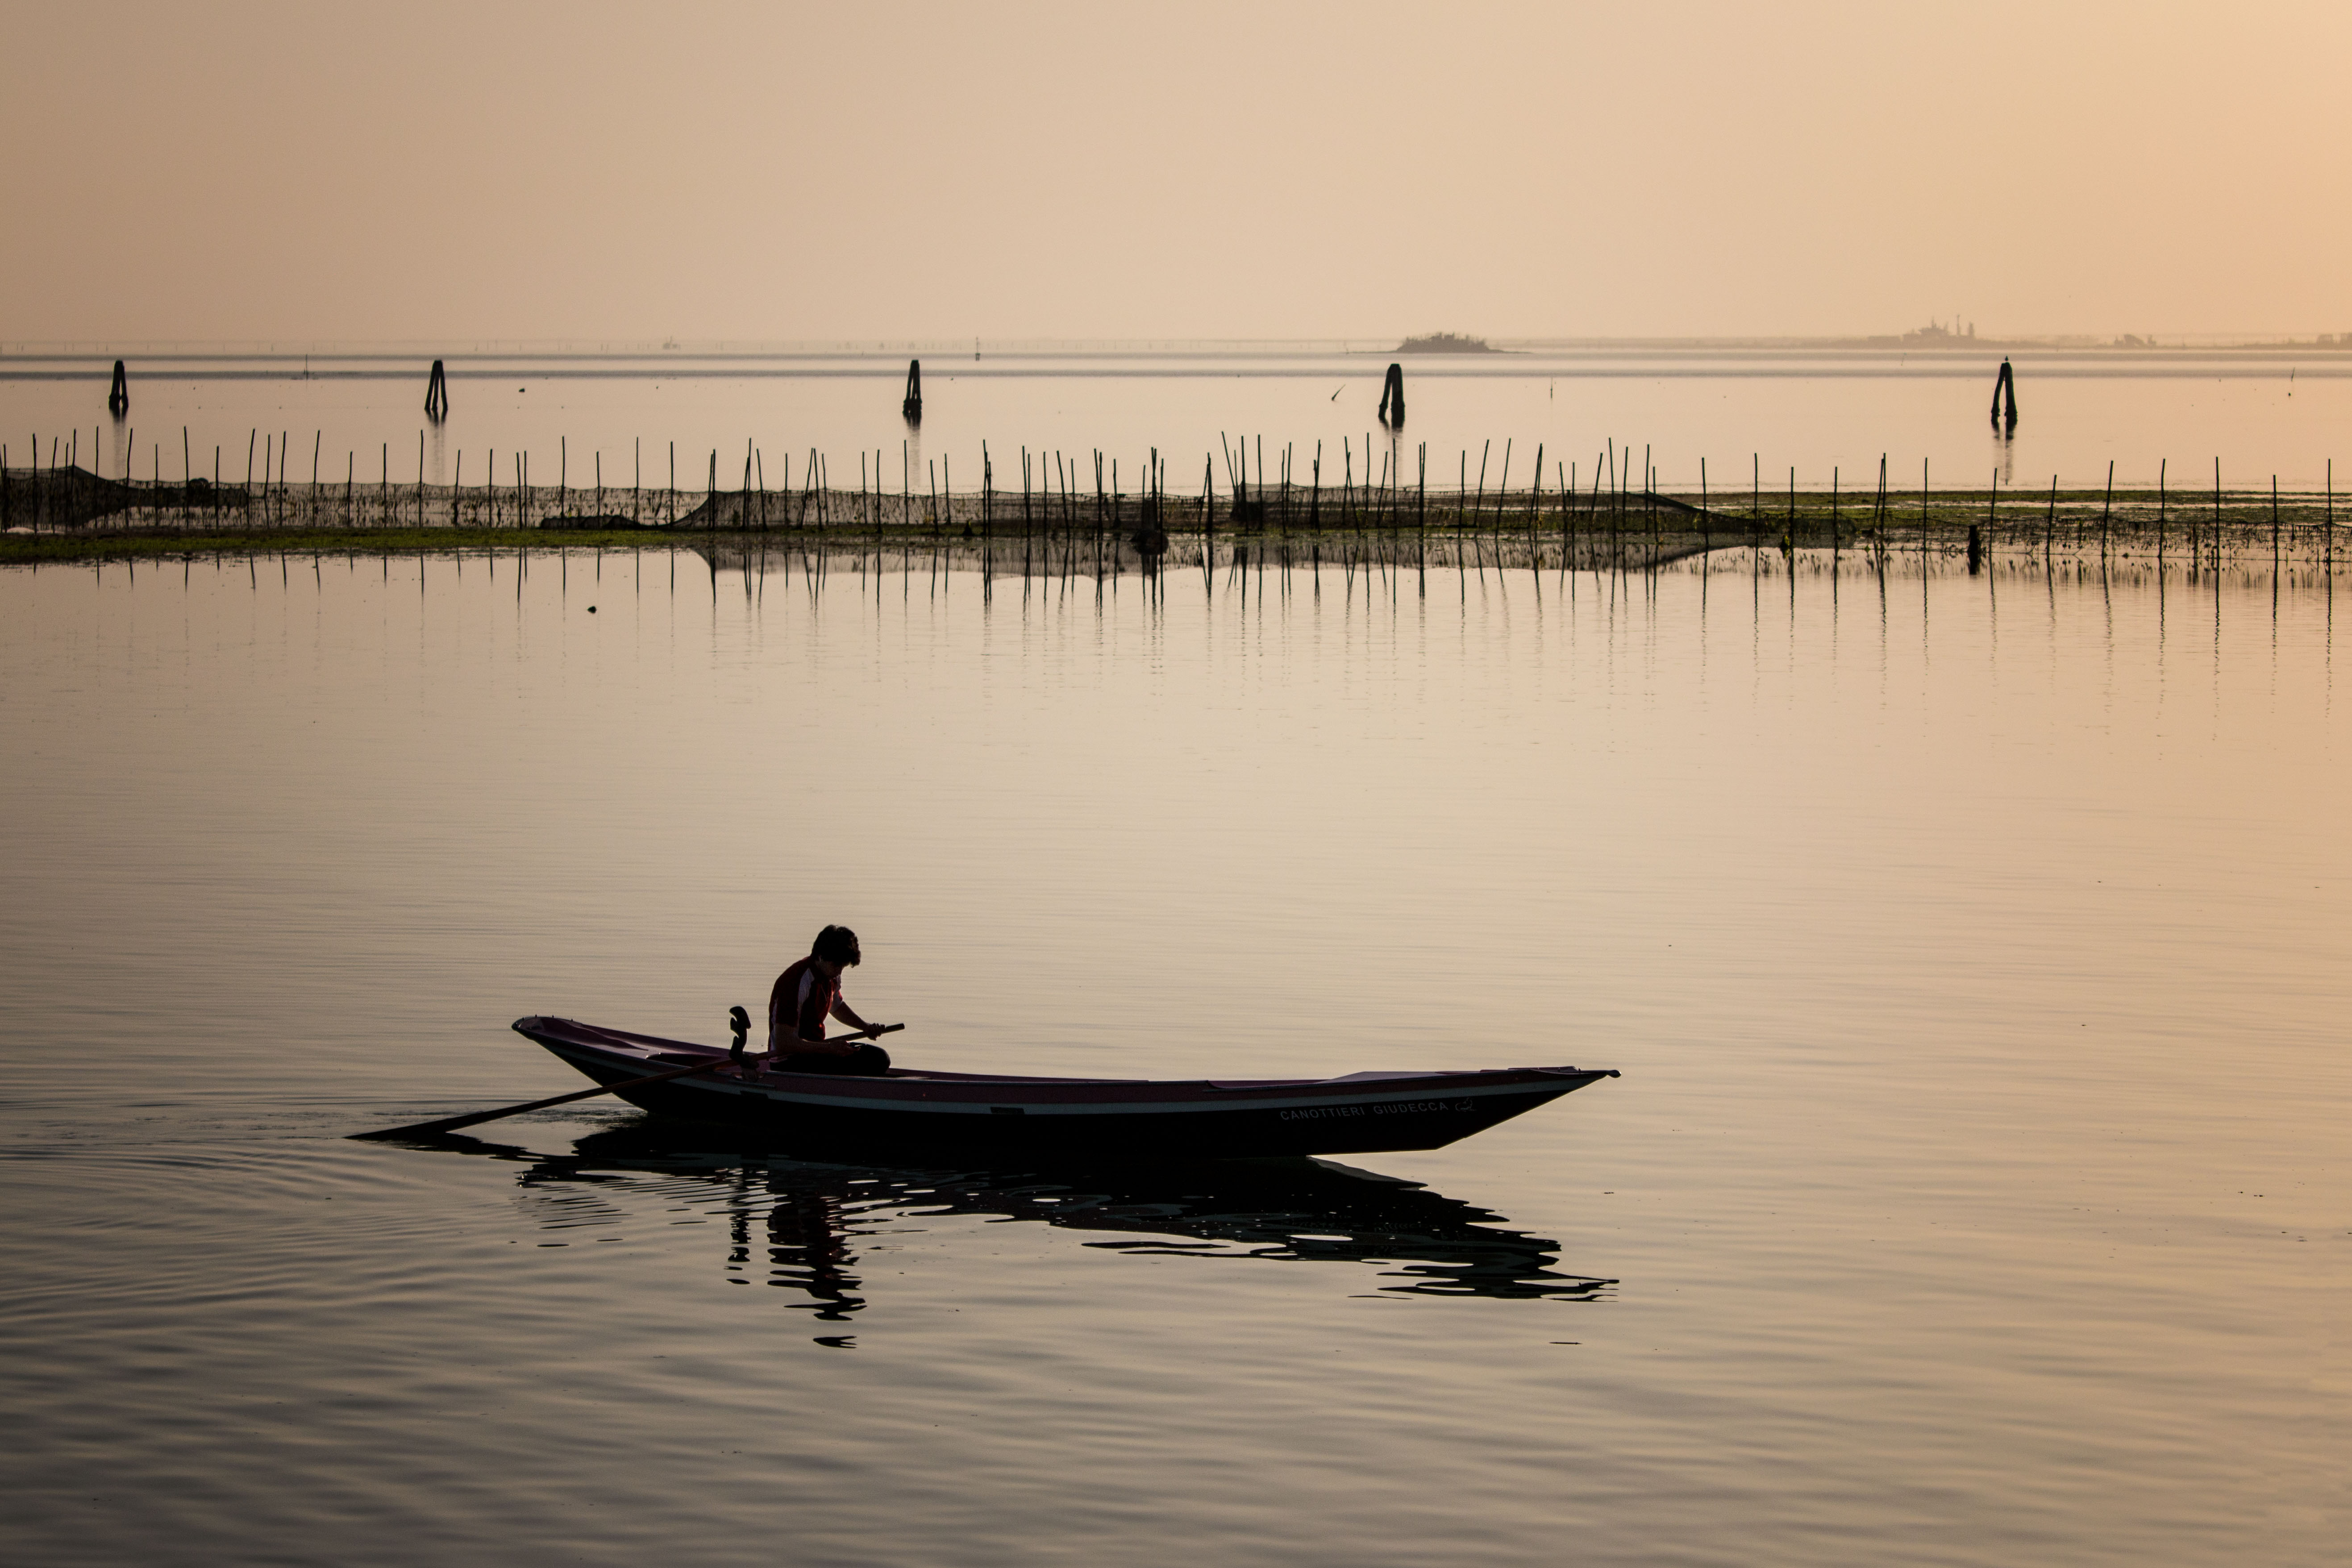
836,944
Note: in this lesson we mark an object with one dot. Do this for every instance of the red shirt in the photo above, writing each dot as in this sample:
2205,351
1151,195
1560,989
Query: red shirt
804,997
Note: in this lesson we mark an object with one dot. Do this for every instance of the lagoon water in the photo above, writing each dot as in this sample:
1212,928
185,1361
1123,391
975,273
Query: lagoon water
1973,949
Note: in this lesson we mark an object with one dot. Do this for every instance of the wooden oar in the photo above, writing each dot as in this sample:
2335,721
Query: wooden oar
451,1123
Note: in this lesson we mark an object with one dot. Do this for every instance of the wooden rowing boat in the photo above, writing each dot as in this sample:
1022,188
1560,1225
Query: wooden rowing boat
990,1114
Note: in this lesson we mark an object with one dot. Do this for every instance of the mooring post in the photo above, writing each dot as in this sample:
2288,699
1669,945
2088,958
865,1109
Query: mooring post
1535,517
436,395
2004,384
117,397
1992,502
1393,397
1567,514
912,404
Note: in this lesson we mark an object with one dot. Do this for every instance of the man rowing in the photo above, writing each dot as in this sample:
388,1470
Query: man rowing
806,994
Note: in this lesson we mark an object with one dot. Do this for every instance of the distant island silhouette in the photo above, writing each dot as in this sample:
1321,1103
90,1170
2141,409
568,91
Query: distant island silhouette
1446,344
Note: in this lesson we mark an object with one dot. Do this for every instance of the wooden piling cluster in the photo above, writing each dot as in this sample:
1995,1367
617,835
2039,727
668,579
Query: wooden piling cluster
2004,385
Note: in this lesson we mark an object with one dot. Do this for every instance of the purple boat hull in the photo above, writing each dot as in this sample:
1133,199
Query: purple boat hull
979,1115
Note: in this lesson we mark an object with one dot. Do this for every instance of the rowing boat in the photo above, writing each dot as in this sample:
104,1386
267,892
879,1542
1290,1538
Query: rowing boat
990,1114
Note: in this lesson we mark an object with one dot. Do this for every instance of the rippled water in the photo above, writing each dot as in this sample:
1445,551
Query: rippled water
1972,949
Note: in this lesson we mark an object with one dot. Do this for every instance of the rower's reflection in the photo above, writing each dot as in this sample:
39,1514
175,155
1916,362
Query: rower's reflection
808,1218
808,1248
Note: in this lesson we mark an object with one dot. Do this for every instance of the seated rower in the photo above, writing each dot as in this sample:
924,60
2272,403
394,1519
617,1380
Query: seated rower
805,995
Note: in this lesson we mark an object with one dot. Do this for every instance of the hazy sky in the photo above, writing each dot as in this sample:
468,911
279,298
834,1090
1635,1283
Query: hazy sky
462,172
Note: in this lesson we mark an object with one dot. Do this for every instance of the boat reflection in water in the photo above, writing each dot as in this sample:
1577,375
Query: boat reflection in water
799,1222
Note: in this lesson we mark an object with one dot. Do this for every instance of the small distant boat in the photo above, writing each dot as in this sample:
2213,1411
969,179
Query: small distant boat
988,1114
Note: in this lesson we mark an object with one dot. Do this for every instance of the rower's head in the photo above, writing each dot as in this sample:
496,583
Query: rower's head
835,945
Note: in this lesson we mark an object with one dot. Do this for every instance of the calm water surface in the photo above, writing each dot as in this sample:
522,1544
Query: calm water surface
1973,949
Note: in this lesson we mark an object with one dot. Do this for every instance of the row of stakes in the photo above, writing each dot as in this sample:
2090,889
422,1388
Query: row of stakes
436,394
1391,411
